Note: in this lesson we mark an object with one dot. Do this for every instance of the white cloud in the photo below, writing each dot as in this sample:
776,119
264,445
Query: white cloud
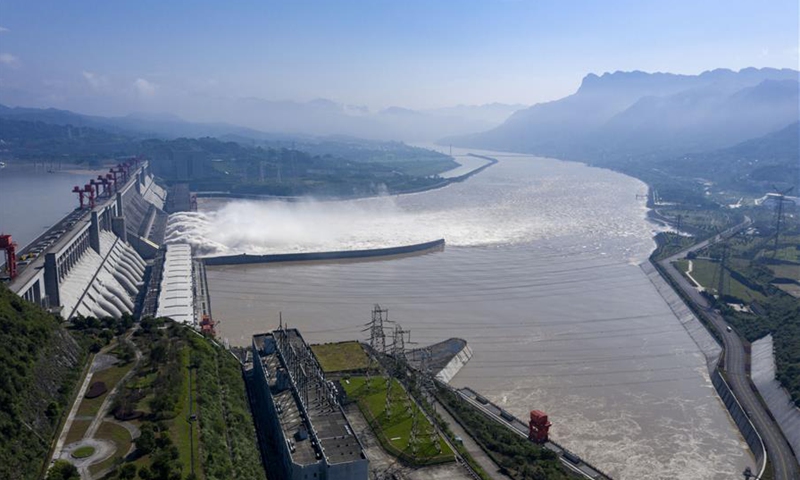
8,59
4,30
144,88
97,81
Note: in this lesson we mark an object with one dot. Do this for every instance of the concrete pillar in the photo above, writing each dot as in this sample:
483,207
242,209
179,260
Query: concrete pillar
51,280
120,211
118,227
94,232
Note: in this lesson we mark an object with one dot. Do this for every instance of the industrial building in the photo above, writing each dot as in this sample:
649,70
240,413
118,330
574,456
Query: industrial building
92,262
302,430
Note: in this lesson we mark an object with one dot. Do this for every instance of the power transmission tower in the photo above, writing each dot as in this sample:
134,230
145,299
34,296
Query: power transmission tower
399,348
779,215
377,336
719,274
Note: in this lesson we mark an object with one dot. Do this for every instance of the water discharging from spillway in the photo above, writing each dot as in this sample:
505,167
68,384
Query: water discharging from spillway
539,275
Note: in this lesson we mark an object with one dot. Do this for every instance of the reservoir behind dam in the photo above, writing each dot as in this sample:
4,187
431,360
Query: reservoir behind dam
539,275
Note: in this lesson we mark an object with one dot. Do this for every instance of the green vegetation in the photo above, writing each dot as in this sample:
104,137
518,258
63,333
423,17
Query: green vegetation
192,410
121,439
762,278
62,470
110,376
341,357
518,458
83,452
394,427
39,366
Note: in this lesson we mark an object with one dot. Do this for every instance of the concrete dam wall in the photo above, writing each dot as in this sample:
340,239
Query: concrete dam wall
325,256
92,262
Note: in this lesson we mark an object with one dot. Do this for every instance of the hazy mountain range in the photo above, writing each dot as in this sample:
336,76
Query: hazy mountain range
624,114
268,120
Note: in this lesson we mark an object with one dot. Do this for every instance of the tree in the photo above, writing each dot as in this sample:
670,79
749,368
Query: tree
127,472
144,473
146,441
63,470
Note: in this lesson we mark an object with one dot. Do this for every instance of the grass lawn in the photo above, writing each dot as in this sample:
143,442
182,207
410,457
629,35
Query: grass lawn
83,452
183,434
77,430
110,376
121,438
706,271
395,427
786,271
339,357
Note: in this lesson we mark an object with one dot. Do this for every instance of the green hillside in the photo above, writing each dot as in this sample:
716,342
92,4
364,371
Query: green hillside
39,365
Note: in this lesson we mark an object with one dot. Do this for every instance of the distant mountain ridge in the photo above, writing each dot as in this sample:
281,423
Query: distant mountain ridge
637,113
261,119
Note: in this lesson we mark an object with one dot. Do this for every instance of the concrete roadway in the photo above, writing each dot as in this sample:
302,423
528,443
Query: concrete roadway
778,451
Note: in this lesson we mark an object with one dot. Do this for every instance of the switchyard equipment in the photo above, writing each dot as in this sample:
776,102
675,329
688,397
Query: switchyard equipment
302,429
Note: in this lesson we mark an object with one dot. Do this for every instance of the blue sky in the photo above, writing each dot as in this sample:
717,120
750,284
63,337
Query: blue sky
112,57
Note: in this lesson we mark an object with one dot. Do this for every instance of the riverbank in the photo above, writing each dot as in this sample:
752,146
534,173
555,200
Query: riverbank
295,198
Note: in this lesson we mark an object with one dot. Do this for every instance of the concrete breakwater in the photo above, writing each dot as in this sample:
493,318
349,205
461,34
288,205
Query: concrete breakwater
325,256
444,359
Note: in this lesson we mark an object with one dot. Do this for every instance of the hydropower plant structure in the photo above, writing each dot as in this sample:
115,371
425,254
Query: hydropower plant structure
92,262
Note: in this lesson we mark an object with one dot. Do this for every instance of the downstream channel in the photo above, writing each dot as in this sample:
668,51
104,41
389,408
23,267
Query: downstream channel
540,275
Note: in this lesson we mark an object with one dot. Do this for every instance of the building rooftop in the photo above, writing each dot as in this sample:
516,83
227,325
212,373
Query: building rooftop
330,435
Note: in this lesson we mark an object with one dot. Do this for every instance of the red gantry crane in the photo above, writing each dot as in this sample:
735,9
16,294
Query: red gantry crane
11,254
539,426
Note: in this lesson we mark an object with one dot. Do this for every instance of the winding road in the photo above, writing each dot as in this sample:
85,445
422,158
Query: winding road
779,453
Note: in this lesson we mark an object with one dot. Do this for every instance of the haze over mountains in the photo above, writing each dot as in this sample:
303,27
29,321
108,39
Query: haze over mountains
264,119
633,113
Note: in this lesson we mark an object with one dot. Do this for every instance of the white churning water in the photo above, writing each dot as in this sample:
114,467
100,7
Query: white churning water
539,275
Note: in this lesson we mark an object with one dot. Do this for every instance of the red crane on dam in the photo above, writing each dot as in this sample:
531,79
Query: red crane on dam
538,427
11,254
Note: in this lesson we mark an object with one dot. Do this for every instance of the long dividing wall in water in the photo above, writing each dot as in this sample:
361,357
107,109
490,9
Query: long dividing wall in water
325,256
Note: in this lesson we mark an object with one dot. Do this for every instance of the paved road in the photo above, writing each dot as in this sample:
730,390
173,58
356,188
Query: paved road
472,447
778,451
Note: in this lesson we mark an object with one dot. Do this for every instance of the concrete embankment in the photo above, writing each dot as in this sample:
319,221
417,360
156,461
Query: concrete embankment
739,417
704,341
780,404
326,256
455,365
444,359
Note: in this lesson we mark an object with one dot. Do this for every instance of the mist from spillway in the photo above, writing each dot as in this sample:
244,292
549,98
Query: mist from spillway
540,275
530,209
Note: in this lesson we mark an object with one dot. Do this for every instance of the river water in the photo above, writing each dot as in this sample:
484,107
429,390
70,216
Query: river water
540,275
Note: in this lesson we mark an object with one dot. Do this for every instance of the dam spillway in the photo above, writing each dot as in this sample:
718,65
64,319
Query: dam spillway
93,261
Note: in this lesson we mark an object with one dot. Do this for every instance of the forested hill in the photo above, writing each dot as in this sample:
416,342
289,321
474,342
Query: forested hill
39,365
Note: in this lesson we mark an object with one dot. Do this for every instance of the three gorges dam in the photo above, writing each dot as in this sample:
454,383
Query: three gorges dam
93,262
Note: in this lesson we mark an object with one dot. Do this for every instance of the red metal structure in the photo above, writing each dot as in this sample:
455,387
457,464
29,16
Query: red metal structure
11,254
207,326
79,191
112,181
538,427
106,184
89,189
